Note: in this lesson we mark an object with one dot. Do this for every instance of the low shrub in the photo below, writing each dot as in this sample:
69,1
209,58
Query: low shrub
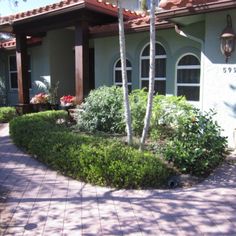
198,147
89,158
168,113
7,114
103,111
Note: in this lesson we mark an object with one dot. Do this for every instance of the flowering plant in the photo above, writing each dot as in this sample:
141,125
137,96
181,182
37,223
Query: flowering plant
67,100
40,98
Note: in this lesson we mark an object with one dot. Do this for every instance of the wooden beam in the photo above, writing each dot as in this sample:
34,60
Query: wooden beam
82,83
22,69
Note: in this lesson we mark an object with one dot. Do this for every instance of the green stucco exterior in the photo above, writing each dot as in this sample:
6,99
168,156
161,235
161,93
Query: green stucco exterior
51,61
107,53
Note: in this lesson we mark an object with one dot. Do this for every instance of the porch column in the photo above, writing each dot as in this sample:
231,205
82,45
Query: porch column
81,61
22,70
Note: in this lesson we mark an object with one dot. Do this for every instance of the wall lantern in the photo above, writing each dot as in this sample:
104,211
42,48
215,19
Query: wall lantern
227,39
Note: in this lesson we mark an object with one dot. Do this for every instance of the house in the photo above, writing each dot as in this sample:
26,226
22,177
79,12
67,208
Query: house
76,42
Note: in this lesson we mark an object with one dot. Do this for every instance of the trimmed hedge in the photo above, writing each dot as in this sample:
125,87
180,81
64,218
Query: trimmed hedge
88,158
7,114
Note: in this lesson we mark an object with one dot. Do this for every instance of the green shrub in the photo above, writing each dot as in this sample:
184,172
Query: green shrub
103,111
168,113
7,114
22,128
92,159
197,148
138,103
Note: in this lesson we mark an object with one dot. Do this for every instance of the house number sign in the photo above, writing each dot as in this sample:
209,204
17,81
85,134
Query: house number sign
229,69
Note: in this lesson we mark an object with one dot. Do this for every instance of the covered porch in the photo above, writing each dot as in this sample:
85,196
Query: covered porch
77,16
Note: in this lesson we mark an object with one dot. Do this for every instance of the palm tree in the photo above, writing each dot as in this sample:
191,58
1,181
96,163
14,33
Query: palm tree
151,75
144,5
124,74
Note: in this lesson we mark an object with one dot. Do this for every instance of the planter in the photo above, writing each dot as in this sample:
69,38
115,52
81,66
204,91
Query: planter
54,107
41,107
67,108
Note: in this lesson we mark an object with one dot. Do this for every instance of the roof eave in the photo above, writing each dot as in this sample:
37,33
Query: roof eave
197,9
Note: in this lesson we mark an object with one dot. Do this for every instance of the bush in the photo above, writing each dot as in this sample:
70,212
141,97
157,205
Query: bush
103,111
167,115
22,128
7,114
138,104
197,148
88,158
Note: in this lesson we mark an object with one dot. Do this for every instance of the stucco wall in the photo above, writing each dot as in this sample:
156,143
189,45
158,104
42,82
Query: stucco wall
62,60
107,52
51,61
219,90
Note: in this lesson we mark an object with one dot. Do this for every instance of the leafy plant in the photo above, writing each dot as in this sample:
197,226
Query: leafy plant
89,158
197,147
103,111
7,114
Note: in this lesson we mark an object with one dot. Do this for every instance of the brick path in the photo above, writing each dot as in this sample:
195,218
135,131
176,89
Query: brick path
42,202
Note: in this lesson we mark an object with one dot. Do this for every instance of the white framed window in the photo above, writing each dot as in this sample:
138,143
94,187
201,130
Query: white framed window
160,68
188,78
13,81
118,74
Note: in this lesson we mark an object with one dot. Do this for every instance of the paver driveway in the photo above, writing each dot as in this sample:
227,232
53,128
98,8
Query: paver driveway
42,202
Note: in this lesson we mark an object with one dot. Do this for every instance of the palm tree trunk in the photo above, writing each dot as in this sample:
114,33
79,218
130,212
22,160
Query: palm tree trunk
151,75
124,74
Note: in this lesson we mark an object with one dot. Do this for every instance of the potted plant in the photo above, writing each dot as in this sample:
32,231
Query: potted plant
67,102
40,102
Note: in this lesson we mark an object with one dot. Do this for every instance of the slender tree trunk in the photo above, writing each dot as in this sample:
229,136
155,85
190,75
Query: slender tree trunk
124,74
151,75
144,5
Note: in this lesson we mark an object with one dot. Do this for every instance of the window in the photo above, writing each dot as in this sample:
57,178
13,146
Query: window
13,72
160,69
188,78
118,74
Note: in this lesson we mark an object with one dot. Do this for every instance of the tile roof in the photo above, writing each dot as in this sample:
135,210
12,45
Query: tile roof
173,4
98,5
9,44
138,24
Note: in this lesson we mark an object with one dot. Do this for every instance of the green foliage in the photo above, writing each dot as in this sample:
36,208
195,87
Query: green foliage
103,111
7,114
92,159
22,128
197,147
167,115
138,103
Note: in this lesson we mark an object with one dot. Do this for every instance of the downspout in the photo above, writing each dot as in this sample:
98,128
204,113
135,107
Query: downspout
198,40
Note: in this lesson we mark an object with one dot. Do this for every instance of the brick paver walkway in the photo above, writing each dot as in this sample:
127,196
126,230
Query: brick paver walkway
43,202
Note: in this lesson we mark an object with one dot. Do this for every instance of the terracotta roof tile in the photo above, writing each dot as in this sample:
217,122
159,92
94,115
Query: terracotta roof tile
138,24
173,4
12,43
99,5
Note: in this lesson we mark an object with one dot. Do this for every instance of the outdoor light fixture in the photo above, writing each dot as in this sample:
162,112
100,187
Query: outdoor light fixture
227,39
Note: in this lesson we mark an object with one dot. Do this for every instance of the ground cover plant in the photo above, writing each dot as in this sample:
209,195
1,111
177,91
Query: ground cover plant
7,114
87,157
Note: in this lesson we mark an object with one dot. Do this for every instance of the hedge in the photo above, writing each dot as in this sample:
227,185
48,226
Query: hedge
7,114
85,157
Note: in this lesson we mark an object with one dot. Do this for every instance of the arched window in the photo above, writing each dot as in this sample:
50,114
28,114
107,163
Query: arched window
188,78
160,68
118,74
